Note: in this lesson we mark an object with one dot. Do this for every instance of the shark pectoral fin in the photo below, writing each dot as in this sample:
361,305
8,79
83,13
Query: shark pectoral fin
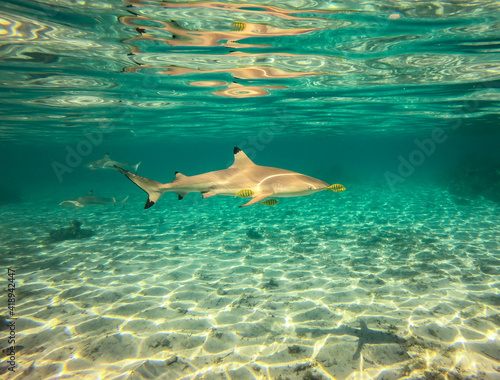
75,204
208,194
257,198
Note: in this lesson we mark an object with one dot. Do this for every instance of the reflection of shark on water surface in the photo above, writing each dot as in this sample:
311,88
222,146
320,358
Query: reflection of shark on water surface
108,163
258,181
91,200
365,335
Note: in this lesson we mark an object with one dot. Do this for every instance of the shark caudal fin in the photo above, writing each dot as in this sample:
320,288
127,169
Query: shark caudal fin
153,188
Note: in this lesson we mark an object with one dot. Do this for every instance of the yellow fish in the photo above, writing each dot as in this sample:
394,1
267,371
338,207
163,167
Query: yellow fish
337,187
244,193
269,202
238,26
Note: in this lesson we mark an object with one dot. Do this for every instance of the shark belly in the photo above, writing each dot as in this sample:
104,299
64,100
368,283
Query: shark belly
294,194
202,183
221,182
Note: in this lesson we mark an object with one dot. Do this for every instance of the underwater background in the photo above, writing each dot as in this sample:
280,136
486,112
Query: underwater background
397,277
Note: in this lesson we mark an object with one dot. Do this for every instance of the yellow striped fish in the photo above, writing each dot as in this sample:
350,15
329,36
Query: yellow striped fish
244,193
269,202
337,187
238,26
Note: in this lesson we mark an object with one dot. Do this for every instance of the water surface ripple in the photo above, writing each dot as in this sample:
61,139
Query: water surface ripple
153,68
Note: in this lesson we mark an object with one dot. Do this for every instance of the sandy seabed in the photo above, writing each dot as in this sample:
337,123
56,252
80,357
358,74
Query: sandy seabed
358,285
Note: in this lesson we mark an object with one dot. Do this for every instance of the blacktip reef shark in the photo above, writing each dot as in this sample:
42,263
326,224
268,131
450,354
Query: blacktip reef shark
108,163
91,200
261,181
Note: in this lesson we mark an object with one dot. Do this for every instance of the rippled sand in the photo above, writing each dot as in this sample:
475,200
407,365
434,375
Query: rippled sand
362,284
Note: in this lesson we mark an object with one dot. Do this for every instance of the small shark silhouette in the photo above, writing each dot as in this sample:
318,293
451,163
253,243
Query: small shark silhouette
260,181
108,163
91,200
365,335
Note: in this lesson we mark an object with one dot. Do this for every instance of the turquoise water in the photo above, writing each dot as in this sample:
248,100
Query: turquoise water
395,277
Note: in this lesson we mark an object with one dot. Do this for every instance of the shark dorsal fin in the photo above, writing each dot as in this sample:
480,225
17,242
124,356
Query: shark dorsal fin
91,192
179,176
241,159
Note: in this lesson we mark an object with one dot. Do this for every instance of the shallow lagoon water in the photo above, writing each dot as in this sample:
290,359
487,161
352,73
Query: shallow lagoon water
395,278
213,291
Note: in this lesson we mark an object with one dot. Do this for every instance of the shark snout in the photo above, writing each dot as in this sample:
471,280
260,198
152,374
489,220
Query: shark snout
317,185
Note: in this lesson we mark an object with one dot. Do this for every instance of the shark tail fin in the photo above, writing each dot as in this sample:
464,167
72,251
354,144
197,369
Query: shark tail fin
154,189
136,166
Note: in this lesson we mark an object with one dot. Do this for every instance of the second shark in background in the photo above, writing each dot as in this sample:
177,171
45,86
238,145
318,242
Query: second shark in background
107,163
91,200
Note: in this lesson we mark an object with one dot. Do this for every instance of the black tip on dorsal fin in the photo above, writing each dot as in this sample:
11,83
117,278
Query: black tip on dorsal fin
179,176
149,203
240,159
180,197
